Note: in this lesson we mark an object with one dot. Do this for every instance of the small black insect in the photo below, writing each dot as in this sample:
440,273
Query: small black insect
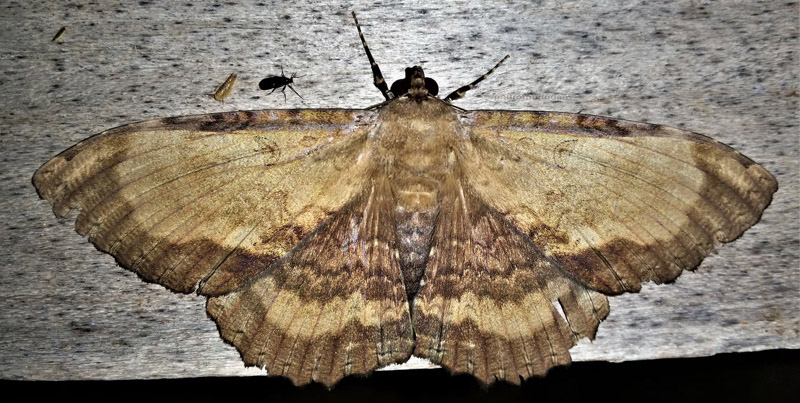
273,82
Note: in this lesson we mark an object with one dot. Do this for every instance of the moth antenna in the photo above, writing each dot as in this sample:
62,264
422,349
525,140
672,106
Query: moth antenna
376,71
459,93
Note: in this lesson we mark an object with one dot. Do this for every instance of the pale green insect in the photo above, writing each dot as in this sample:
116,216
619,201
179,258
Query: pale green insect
224,89
59,34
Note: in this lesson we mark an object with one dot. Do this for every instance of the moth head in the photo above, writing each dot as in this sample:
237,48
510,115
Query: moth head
415,84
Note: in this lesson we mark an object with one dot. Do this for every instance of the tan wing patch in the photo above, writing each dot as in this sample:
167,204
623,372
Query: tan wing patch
211,198
336,305
615,203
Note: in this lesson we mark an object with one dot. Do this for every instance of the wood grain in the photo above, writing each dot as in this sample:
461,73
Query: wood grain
727,70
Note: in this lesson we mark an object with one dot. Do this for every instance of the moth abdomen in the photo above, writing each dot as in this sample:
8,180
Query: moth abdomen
414,230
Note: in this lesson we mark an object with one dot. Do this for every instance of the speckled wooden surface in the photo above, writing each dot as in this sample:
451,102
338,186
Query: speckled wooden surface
727,69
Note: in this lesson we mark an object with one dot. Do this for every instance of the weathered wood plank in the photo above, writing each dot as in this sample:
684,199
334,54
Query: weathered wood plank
725,69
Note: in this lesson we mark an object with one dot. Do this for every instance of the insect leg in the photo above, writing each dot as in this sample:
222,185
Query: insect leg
291,88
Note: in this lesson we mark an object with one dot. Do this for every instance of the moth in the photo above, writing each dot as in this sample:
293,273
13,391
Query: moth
273,82
332,242
224,90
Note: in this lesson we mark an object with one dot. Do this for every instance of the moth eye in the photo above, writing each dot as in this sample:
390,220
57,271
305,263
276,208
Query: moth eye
430,84
400,87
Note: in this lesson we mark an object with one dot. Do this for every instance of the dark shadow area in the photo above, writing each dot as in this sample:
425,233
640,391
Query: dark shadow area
756,377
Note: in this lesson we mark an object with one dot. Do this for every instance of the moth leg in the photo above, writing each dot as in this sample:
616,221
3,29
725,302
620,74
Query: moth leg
376,71
459,93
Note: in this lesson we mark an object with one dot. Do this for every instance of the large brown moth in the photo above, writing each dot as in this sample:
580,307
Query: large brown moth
333,242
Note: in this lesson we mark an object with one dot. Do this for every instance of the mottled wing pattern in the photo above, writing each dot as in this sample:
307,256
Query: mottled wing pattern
550,212
209,200
334,306
488,303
